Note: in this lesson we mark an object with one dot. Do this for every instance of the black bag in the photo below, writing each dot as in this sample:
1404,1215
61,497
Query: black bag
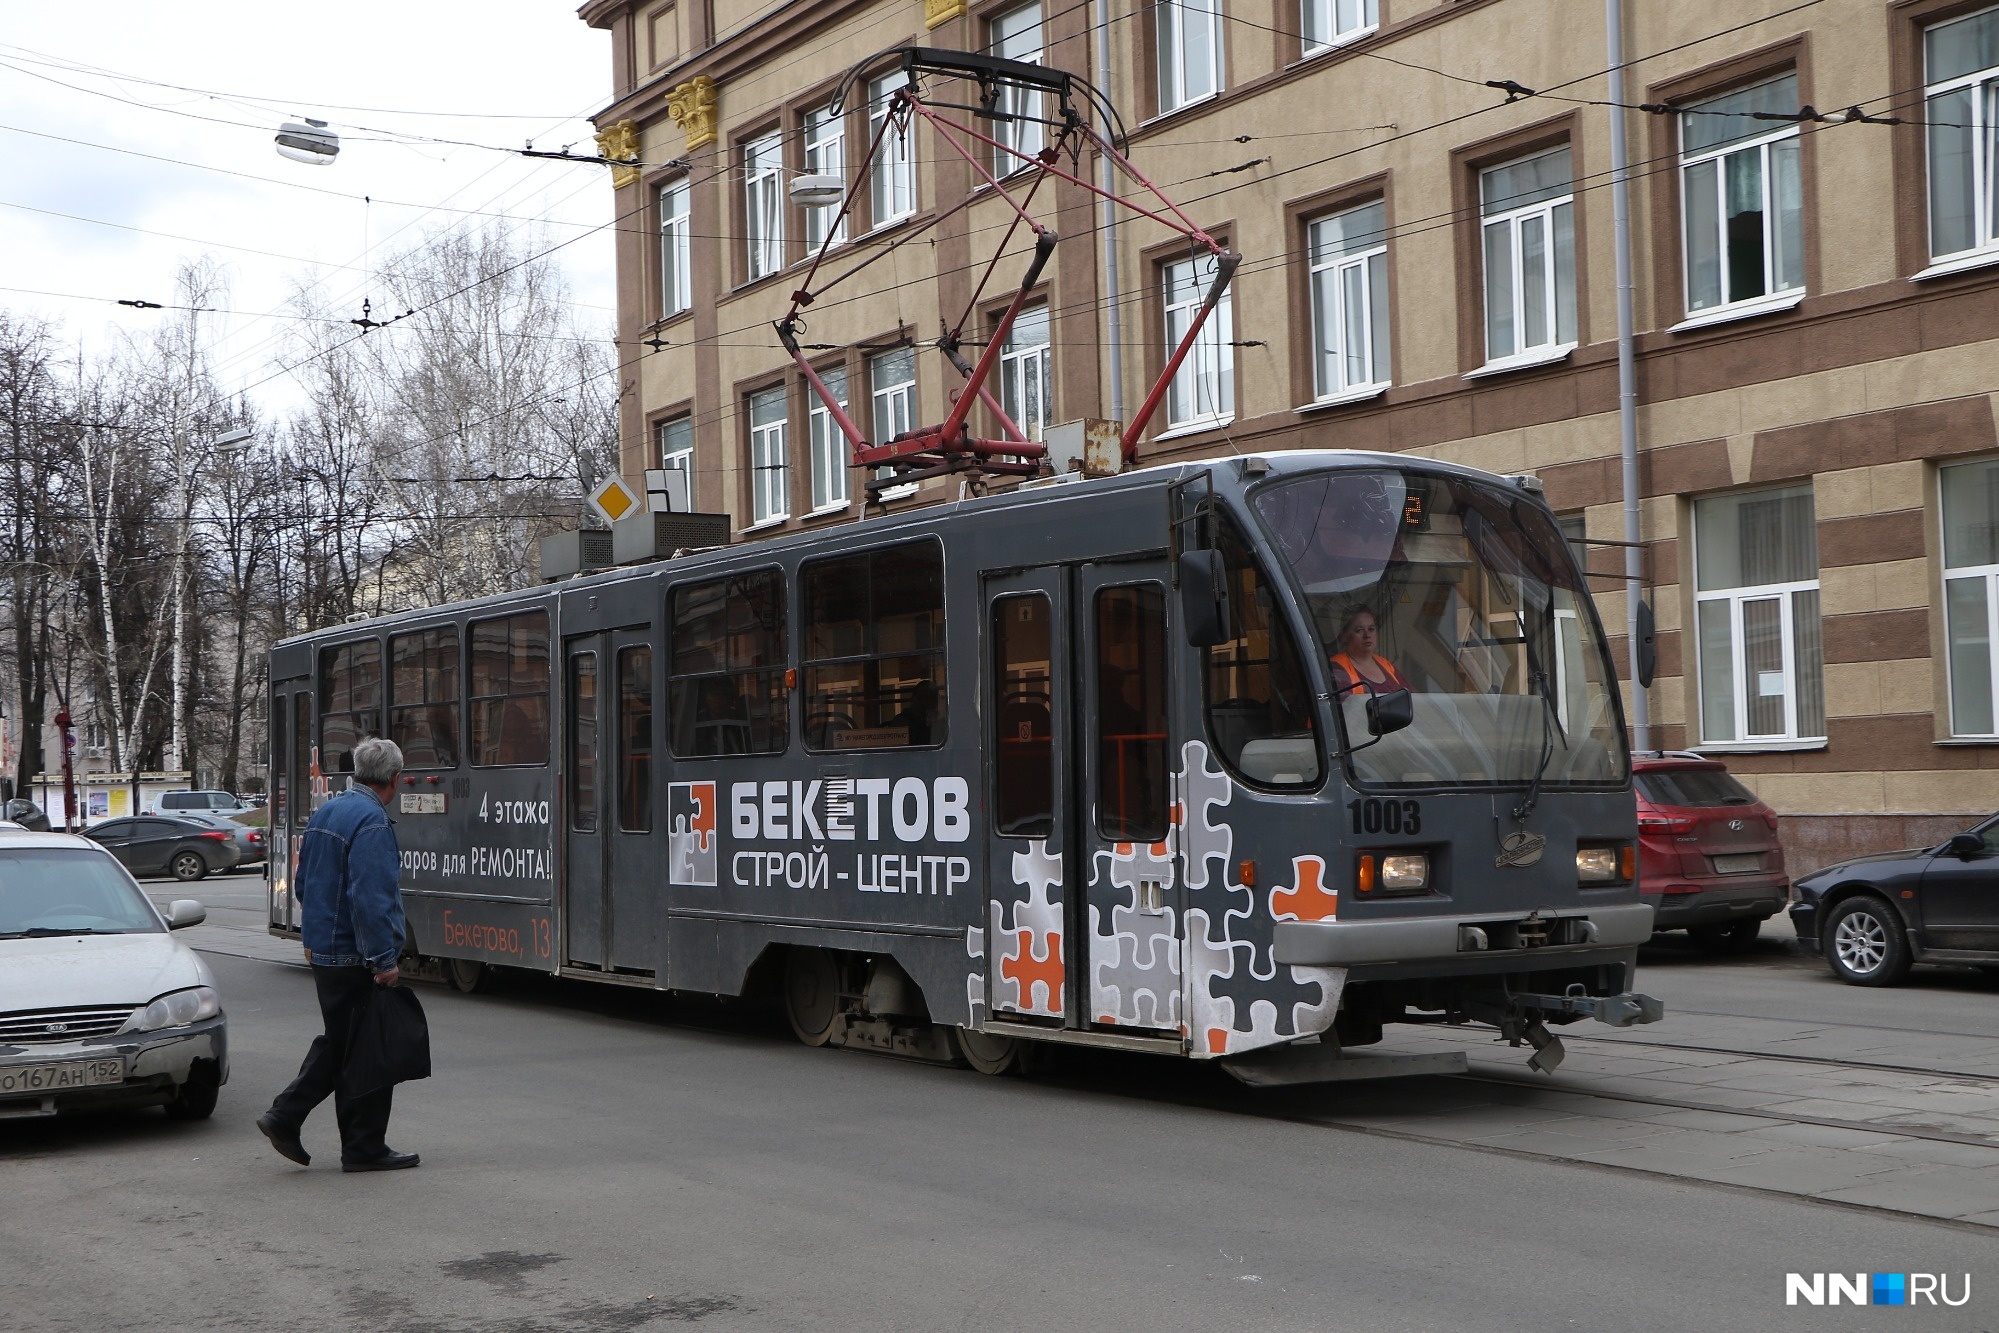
389,1042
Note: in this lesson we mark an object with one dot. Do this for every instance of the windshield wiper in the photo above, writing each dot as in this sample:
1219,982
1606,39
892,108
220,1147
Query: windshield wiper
46,932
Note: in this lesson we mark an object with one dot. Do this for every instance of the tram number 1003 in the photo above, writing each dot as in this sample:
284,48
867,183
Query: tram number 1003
1374,815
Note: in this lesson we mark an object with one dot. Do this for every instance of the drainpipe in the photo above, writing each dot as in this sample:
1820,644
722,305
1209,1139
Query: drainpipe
1627,373
1107,175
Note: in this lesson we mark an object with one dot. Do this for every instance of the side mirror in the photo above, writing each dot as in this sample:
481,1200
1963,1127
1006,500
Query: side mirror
1388,712
1964,846
185,912
1204,598
1648,646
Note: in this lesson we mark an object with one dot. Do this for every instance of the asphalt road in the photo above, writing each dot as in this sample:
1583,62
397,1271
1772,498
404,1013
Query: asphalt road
599,1159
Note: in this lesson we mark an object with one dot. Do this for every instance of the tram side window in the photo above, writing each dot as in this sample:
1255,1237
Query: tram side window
423,696
1259,709
350,701
635,740
510,690
727,694
874,649
1024,792
1131,778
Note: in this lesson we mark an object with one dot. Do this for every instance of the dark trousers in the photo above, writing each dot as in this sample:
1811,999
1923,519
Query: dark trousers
363,1120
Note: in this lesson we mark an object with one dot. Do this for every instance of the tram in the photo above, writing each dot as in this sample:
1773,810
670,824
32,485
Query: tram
1068,763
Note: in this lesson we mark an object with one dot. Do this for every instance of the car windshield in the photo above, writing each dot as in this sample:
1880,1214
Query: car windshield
68,891
1693,787
1466,595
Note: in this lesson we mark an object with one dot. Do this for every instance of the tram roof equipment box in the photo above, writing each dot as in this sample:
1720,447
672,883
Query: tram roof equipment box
658,533
565,554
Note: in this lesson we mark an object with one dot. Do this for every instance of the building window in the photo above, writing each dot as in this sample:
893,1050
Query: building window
1190,52
763,204
350,701
1328,23
1203,389
1349,260
1527,214
892,182
1023,372
676,444
423,696
770,461
1016,35
830,457
873,673
1756,610
1970,587
892,387
825,155
1961,74
676,270
1742,198
510,690
726,694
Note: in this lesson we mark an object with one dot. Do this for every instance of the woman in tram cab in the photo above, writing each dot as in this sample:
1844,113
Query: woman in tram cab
1356,666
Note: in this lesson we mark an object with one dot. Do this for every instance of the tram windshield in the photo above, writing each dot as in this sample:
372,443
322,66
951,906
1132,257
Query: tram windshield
1465,595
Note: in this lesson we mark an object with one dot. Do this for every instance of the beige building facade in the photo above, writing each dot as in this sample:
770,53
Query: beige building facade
1428,265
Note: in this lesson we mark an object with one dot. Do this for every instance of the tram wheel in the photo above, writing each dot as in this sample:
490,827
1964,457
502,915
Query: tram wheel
987,1053
812,994
467,974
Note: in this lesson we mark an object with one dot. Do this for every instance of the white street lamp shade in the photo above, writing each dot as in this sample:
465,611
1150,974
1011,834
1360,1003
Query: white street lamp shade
817,191
308,141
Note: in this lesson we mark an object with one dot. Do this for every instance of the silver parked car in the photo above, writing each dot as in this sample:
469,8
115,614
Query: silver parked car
249,841
99,1005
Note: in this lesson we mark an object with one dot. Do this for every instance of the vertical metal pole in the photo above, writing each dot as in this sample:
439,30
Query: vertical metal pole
1107,173
1627,373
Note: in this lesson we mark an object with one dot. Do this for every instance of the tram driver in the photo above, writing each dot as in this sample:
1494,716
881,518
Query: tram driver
1356,665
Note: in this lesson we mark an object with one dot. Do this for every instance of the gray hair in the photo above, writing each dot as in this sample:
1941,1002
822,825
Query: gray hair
377,761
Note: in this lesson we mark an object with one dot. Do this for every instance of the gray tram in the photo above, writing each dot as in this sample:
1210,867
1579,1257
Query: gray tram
1069,763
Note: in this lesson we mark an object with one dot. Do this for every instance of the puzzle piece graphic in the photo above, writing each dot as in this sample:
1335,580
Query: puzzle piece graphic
1311,900
1027,936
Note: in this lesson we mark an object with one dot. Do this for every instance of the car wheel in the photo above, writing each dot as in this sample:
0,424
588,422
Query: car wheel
1732,938
188,866
195,1099
1864,945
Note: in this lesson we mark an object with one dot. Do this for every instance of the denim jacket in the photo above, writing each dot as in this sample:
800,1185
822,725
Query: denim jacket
348,865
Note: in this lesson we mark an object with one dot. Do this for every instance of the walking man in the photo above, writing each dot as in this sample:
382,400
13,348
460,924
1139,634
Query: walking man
352,921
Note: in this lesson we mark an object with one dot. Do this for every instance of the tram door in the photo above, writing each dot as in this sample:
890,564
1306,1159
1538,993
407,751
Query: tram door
611,905
1079,926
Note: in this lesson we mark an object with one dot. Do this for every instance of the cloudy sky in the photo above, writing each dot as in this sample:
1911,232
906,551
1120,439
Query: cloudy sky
141,137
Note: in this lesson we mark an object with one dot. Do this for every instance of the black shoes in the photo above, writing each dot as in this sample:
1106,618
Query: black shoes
390,1160
283,1138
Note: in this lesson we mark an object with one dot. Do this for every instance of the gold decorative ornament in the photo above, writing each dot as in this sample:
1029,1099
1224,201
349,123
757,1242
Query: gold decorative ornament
620,143
939,12
692,106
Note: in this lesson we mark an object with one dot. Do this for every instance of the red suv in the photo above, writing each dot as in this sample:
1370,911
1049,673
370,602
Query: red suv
1708,857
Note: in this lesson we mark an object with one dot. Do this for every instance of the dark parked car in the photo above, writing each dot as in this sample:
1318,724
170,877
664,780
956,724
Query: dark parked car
1708,857
153,845
1874,917
26,813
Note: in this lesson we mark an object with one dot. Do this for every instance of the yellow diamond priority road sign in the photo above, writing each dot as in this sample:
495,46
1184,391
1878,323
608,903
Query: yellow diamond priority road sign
613,499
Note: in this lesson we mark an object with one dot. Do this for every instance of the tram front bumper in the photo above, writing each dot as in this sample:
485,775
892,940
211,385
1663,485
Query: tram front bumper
1555,940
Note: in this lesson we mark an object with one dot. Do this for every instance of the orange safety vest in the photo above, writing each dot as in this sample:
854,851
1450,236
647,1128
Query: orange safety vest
1344,664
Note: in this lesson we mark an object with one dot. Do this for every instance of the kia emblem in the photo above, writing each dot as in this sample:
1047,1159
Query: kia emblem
56,1027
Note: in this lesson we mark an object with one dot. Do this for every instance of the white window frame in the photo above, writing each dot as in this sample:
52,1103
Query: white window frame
825,136
892,182
770,461
1988,574
1736,599
763,204
1340,22
1206,379
1022,363
676,266
1984,87
1027,135
1515,221
1772,296
831,457
1180,84
1330,379
671,455
893,408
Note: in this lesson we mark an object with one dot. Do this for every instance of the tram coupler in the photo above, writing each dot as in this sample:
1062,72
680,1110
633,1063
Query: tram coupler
1619,1011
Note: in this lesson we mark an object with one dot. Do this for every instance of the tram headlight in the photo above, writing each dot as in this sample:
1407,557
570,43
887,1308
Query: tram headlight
1405,872
1602,865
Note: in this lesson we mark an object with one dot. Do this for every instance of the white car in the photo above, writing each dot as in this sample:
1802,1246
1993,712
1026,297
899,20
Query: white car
99,1005
204,802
